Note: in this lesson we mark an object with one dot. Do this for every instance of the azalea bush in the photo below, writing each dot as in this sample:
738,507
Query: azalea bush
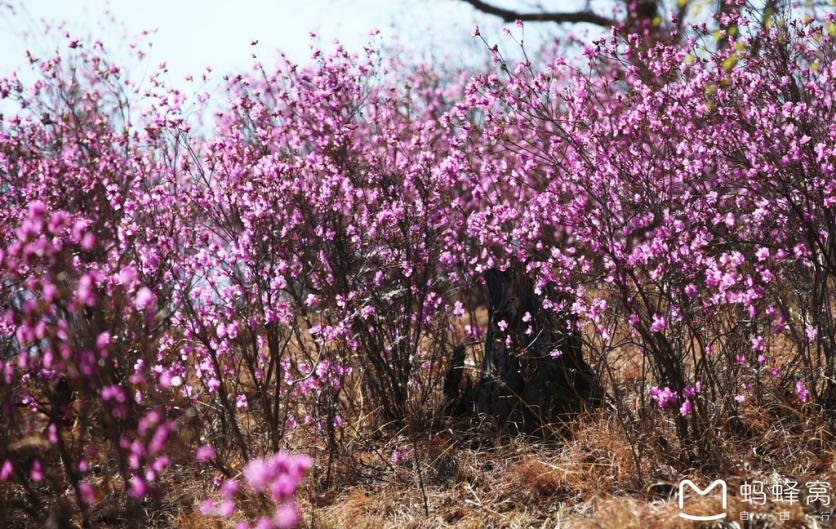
88,285
684,197
203,285
327,217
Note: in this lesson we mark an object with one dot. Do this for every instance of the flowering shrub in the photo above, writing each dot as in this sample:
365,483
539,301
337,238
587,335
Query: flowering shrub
685,198
307,264
83,333
279,475
323,220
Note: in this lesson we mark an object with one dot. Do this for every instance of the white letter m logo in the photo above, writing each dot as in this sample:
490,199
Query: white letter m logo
702,492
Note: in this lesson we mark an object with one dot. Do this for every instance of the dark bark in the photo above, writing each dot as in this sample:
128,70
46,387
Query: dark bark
533,369
510,15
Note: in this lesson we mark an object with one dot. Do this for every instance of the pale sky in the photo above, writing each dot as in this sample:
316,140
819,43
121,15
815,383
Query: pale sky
191,34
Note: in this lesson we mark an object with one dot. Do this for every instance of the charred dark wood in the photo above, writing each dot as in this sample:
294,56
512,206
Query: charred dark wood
533,368
453,378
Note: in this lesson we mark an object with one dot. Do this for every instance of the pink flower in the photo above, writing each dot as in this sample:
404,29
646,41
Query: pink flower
37,472
160,463
138,487
279,473
685,409
88,241
204,453
282,487
127,276
226,508
52,434
85,291
103,340
801,391
367,311
659,323
37,209
258,474
207,508
6,470
398,456
264,523
762,254
811,333
286,516
690,391
88,494
230,488
144,299
691,290
663,397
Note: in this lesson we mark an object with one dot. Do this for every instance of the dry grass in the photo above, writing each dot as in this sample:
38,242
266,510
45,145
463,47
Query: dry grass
589,474
586,480
584,475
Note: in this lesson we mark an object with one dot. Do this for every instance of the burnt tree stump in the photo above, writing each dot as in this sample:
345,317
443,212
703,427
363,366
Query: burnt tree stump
533,368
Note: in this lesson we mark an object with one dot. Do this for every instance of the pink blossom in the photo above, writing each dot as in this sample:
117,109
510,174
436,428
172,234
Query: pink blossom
801,391
663,397
811,333
286,516
204,453
138,487
37,472
691,391
144,299
88,494
6,470
398,456
691,290
659,323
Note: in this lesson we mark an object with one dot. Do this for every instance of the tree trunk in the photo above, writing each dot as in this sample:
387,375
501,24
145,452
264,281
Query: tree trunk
533,368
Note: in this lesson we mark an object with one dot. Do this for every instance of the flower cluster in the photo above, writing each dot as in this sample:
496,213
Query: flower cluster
316,251
675,192
278,476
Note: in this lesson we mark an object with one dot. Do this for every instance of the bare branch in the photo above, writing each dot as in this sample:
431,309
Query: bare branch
510,15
